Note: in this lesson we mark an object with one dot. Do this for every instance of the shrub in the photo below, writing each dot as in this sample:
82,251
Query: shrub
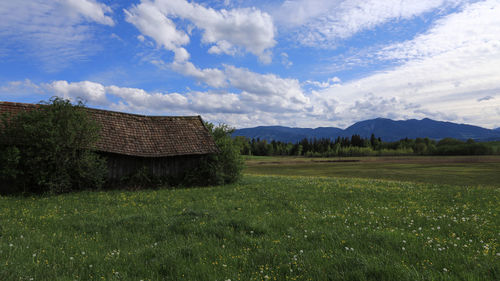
221,168
49,149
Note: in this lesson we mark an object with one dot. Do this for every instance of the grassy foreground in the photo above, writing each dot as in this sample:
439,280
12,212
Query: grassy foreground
265,228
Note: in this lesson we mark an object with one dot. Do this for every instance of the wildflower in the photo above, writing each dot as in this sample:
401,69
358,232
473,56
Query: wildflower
71,258
34,255
11,245
404,241
403,248
266,277
445,269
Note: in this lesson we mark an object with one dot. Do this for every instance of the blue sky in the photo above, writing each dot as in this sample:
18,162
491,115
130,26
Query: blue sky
301,63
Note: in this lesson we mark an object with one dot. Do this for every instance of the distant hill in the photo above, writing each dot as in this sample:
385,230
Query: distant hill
387,129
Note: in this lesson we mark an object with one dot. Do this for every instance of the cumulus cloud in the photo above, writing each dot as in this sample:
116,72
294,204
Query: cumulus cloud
444,71
449,73
54,32
268,90
257,94
324,22
91,92
261,91
153,23
210,76
226,31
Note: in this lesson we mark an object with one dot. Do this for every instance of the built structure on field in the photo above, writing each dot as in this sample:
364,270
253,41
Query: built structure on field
167,146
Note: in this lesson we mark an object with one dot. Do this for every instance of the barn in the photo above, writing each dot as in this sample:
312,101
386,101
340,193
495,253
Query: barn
167,146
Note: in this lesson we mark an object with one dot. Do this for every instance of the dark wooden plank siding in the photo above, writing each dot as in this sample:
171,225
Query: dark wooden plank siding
120,166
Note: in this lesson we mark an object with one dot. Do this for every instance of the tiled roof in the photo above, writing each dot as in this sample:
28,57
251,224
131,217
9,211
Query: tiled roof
145,136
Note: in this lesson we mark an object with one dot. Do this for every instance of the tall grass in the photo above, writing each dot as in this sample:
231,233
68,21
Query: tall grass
265,228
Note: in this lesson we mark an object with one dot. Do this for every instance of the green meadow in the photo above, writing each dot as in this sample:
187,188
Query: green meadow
450,170
263,228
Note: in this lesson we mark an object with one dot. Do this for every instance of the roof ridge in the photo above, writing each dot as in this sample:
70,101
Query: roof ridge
142,135
9,103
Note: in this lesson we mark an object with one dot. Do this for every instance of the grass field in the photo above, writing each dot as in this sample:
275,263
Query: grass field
264,228
452,170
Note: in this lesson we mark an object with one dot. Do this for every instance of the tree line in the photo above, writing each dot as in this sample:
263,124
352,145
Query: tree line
359,146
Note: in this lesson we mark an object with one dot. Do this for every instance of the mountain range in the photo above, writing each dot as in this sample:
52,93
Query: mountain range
386,129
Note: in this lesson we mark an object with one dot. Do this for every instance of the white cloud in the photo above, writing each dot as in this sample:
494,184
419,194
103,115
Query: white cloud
20,88
324,22
448,73
474,30
268,90
330,82
285,60
153,23
140,100
221,103
91,10
225,30
261,91
54,32
91,92
211,76
444,74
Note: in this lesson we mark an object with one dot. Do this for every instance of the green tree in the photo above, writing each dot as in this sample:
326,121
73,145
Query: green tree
50,149
220,168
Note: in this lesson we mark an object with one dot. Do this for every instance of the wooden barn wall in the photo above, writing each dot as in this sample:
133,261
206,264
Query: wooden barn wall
120,166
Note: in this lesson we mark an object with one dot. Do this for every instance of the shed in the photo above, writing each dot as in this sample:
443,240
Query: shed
166,145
